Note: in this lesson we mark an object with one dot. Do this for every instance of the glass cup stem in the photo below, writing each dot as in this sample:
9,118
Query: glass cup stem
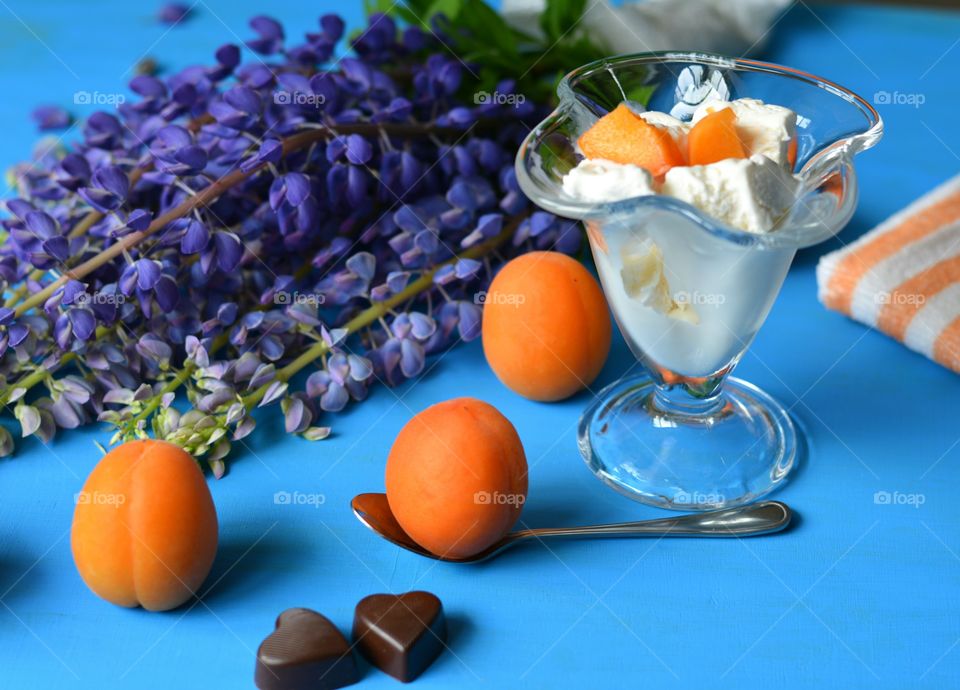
689,403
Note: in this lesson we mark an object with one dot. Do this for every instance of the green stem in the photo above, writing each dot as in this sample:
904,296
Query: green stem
378,310
174,384
32,379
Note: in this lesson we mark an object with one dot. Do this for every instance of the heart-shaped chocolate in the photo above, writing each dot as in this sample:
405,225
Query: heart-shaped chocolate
400,634
305,651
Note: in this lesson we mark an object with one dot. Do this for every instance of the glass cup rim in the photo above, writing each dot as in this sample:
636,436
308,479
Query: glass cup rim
572,208
565,87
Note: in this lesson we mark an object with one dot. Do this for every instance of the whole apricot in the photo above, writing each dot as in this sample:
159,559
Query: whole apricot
457,477
546,326
145,528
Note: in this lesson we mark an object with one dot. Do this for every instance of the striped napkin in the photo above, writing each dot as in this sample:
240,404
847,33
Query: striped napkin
903,277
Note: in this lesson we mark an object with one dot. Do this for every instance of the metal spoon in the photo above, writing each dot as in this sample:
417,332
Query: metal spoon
765,517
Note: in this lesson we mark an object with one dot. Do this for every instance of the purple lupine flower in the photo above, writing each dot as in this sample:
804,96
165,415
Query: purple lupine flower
108,188
173,13
50,117
270,34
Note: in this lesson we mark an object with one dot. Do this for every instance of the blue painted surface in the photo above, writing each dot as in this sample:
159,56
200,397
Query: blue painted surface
858,595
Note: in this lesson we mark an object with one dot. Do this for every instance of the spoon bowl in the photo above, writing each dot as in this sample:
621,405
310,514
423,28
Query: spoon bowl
766,517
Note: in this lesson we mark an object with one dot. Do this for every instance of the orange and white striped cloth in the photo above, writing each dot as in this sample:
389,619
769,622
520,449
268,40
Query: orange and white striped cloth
903,277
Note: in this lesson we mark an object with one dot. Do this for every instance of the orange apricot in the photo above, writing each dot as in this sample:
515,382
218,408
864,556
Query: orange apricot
622,136
546,326
792,153
457,477
714,138
145,527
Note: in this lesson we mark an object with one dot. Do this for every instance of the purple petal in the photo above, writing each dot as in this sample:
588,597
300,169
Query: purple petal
541,222
359,150
421,325
148,273
229,250
298,188
490,224
297,417
112,179
335,399
148,87
338,368
100,199
173,13
411,358
228,55
62,331
267,27
332,26
470,320
360,367
128,279
57,247
444,274
317,383
356,185
363,264
270,151
167,293
18,333
72,290
139,220
50,117
466,268
83,322
195,238
274,392
41,224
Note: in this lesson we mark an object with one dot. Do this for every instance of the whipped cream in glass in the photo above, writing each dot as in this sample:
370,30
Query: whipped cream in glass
690,309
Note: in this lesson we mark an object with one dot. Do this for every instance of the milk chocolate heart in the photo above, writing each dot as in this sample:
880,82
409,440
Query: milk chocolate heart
305,651
400,634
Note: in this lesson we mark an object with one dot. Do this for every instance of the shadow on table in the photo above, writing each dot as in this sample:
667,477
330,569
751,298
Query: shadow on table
18,576
243,564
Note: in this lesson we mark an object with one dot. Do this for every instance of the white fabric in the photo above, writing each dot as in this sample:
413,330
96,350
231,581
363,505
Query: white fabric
732,27
938,313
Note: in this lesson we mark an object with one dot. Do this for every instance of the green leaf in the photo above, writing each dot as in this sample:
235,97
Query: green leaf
382,6
640,93
487,26
559,17
480,37
448,8
421,7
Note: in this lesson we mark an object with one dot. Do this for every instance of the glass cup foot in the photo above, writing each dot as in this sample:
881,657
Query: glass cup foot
733,451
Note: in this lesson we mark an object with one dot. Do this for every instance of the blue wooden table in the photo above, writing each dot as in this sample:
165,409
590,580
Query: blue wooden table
859,594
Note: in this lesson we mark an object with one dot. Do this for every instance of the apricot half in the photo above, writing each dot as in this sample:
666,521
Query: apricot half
714,138
457,477
622,136
145,527
546,327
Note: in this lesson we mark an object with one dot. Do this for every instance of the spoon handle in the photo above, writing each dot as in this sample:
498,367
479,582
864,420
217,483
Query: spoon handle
744,521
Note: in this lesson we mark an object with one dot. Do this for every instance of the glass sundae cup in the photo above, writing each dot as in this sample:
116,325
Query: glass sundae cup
684,434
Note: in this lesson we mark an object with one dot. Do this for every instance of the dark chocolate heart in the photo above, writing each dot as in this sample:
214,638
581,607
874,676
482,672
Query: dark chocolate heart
400,634
305,651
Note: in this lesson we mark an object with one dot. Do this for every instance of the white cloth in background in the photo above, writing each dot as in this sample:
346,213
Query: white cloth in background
732,27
